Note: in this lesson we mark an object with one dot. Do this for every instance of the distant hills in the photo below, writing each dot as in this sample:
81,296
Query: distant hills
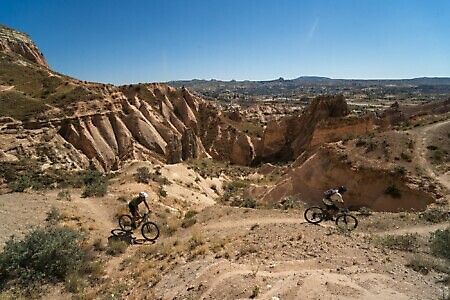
416,89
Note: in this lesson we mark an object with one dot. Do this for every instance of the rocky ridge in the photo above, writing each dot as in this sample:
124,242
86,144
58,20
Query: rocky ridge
13,41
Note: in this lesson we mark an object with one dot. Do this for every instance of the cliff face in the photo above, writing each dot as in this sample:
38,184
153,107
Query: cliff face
100,123
12,41
366,187
287,138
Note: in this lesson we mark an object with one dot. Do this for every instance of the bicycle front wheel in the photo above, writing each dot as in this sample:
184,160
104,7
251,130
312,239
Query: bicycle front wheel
150,231
126,222
346,222
314,214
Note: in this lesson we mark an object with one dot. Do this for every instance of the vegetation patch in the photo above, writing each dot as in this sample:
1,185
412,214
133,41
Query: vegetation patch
441,243
46,255
424,264
142,175
94,182
406,242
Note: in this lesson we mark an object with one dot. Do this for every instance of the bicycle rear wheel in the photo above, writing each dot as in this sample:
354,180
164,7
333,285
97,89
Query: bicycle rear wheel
314,214
126,223
150,231
346,222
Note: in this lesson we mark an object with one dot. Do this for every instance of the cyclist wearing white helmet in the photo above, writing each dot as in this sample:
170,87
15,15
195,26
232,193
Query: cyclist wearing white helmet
134,205
333,199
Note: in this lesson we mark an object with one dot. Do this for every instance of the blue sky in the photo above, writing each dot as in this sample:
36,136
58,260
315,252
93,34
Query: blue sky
120,42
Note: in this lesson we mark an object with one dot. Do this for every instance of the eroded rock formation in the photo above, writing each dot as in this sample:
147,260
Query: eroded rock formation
13,41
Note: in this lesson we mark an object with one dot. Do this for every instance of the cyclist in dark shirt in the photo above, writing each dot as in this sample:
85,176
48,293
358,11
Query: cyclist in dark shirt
134,205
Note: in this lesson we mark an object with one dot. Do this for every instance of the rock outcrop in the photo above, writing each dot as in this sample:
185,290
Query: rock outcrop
366,187
19,43
287,138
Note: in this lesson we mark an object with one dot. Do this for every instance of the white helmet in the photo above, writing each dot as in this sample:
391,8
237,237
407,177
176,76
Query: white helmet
143,195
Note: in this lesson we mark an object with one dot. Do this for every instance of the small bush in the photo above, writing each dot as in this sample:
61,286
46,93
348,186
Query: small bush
405,156
162,192
393,191
423,265
74,283
95,184
249,203
64,195
195,241
400,170
435,215
188,222
432,147
189,214
365,211
255,292
142,175
54,216
441,243
407,242
116,247
44,255
22,183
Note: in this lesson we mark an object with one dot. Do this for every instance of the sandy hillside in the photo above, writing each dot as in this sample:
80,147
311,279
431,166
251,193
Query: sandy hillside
240,253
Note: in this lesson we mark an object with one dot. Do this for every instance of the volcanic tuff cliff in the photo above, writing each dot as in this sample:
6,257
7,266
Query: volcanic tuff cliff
99,122
15,42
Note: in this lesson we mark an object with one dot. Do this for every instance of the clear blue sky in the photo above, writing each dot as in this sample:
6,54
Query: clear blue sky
120,42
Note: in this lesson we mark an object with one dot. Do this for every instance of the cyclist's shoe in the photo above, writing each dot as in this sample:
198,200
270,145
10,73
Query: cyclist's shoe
133,225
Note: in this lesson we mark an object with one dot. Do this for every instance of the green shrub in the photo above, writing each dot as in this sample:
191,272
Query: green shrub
116,247
365,211
435,215
255,292
405,156
400,170
95,184
22,183
441,243
54,216
64,195
142,175
189,214
188,222
432,147
74,283
249,203
44,255
406,242
423,265
162,192
392,191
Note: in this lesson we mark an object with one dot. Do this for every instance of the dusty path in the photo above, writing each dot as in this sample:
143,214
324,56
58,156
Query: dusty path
422,136
95,210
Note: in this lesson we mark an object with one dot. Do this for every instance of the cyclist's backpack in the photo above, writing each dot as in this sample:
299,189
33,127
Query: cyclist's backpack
328,193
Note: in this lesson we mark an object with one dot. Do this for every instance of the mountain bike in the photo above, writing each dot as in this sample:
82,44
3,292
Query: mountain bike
344,220
149,230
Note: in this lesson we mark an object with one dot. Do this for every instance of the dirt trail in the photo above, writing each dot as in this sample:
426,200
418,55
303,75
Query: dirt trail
96,211
421,230
422,136
255,221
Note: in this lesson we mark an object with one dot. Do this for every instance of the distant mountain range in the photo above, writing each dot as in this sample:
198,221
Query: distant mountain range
418,80
421,89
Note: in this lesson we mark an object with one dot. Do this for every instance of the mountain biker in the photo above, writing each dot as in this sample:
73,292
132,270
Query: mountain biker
134,206
333,199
